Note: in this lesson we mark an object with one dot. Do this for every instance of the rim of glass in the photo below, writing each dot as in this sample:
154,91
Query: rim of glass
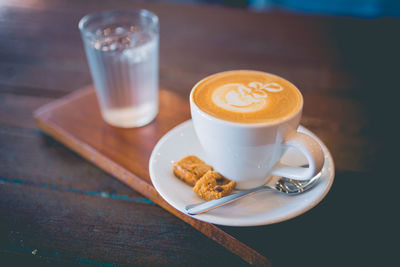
109,13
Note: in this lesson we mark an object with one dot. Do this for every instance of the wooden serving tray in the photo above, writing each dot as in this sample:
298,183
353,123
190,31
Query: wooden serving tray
75,121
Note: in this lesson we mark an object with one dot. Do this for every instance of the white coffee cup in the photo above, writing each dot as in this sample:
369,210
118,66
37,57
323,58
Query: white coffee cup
250,153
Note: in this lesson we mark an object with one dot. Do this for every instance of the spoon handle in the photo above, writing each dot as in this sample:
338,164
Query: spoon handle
212,204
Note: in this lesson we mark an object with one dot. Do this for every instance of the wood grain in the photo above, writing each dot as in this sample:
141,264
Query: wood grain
129,241
75,121
31,183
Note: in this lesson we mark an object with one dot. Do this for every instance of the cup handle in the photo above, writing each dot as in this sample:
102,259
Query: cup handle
310,149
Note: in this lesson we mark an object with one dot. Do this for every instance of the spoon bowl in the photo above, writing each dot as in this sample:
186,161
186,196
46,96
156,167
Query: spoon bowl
293,187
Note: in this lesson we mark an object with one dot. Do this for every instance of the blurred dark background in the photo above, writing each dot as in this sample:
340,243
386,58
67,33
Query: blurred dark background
354,8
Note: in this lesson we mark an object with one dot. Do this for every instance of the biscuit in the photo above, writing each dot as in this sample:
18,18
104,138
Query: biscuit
190,169
213,185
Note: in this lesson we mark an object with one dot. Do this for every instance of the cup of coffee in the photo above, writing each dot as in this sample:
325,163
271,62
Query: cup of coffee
245,120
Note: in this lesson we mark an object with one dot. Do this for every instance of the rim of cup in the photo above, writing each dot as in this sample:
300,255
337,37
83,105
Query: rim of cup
240,124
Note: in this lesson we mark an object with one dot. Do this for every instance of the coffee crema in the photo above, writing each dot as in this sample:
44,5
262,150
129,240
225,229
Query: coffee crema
247,96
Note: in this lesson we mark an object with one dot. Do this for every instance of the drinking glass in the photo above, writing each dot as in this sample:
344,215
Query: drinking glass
122,51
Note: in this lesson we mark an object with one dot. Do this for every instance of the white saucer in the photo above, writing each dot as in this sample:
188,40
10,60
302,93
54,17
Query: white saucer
259,209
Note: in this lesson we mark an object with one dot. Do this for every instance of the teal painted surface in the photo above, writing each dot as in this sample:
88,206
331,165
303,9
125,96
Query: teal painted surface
358,8
78,191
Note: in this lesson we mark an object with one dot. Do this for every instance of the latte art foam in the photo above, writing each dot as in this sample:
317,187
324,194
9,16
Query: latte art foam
247,96
237,97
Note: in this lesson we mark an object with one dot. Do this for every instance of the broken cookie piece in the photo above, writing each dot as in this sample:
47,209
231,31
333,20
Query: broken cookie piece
190,169
213,185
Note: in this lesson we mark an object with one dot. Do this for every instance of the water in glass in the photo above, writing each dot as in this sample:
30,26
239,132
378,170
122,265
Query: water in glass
124,65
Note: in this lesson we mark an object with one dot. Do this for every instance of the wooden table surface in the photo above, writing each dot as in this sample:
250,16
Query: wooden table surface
56,208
